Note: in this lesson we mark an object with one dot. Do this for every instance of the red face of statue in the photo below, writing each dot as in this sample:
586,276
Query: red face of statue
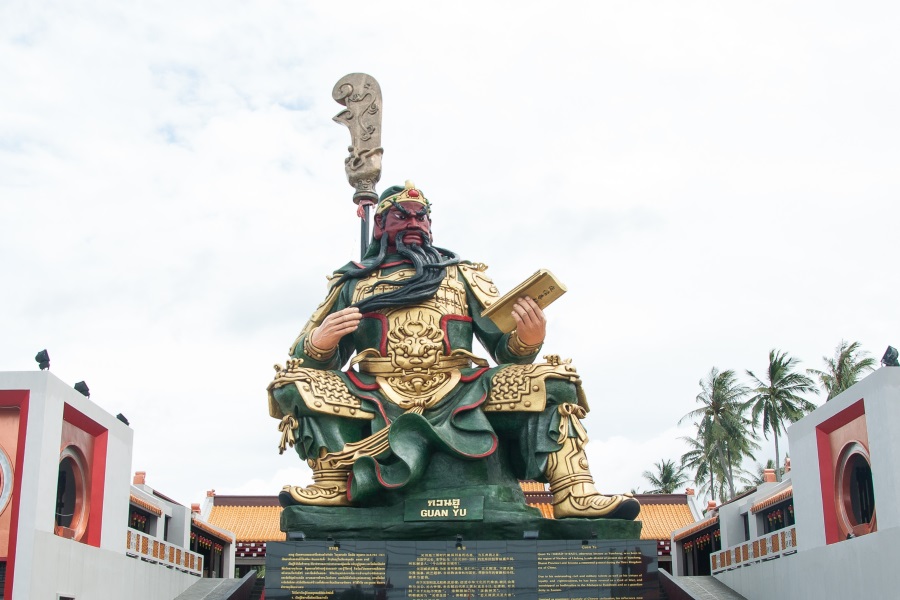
410,218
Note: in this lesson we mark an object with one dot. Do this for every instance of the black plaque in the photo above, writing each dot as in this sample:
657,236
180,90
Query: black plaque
529,569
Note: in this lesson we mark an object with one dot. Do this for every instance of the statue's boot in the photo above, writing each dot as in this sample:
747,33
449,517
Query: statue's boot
329,488
572,486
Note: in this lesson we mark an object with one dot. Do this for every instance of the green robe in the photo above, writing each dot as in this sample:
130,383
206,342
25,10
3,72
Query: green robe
456,425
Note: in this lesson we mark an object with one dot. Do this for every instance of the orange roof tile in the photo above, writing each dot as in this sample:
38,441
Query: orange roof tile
211,529
660,520
700,525
249,523
145,505
771,500
532,486
545,507
660,514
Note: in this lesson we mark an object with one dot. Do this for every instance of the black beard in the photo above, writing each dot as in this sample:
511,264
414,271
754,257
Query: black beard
430,264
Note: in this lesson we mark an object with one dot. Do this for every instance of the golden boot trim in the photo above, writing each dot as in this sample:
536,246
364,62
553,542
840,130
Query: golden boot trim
570,416
329,488
574,493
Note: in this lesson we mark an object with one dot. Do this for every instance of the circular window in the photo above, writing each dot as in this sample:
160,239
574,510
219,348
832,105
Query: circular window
855,491
6,479
72,506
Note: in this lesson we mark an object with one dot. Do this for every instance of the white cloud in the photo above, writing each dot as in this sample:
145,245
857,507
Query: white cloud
710,181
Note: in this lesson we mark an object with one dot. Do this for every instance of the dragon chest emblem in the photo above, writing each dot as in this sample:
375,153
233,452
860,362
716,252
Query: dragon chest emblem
415,348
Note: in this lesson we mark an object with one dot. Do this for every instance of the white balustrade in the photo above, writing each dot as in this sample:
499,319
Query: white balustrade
150,549
770,546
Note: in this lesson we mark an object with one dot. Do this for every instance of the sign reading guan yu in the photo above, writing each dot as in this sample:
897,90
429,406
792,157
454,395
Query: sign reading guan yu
469,508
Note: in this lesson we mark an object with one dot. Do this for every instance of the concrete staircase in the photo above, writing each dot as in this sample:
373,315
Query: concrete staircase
220,589
696,588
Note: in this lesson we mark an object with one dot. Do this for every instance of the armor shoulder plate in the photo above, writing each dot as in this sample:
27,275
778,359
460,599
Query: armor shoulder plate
481,285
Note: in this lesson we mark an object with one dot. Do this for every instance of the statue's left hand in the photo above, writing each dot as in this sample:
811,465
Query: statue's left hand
531,324
328,335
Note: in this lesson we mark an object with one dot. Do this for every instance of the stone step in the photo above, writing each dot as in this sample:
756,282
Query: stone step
703,587
211,589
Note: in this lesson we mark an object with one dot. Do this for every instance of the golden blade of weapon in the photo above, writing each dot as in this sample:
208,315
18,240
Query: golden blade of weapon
361,95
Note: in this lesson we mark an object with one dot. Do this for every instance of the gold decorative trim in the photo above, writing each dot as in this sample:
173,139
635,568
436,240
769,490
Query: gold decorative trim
321,312
313,351
365,287
286,427
325,392
570,419
519,348
450,298
329,487
481,285
523,387
409,194
401,390
321,391
371,363
573,489
415,371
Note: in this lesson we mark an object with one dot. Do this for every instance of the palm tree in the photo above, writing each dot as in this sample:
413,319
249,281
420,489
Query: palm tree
668,477
759,478
710,474
721,419
699,459
776,399
844,369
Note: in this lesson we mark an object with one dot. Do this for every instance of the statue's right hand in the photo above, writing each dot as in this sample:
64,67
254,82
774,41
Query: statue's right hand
328,335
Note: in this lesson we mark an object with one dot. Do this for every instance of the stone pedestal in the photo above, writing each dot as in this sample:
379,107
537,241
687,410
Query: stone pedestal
476,499
523,569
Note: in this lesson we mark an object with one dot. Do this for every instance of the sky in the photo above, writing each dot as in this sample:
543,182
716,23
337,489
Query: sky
710,180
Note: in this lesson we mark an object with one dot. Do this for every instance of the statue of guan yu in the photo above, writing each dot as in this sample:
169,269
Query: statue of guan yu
404,319
384,394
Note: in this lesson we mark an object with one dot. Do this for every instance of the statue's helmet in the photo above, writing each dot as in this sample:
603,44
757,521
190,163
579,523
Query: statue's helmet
407,199
402,193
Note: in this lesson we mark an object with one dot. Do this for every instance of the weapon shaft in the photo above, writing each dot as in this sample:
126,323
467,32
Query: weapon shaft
364,232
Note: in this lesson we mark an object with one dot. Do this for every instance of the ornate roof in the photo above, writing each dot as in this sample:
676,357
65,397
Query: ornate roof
661,514
772,500
251,518
140,502
698,527
258,518
660,520
212,529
